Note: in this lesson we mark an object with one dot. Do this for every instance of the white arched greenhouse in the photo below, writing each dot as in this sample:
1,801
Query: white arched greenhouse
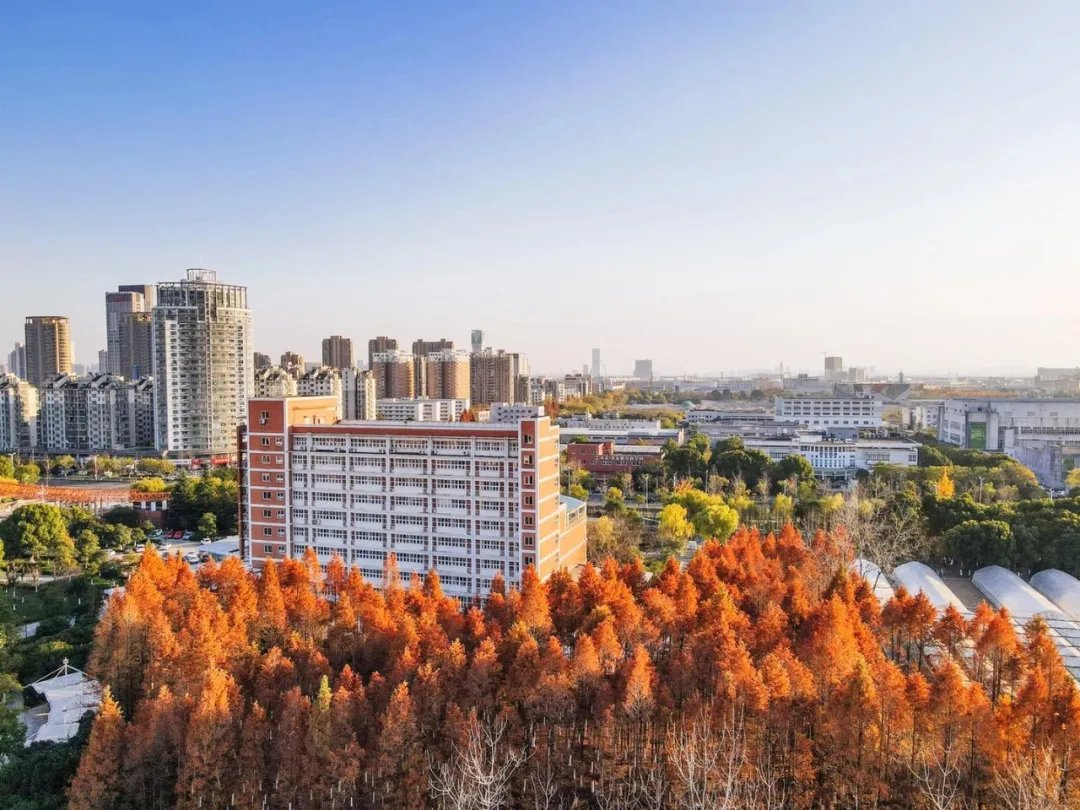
1061,589
918,577
1003,588
875,578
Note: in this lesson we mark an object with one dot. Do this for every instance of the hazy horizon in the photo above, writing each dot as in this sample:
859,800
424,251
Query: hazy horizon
712,186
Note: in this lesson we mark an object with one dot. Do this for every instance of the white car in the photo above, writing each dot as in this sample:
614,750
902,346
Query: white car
191,558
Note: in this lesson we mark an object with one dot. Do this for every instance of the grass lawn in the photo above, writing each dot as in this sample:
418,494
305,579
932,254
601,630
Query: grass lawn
50,599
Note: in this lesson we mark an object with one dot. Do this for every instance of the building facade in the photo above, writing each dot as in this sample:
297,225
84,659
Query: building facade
448,374
358,394
378,345
996,424
127,300
203,364
337,352
321,382
18,414
839,459
832,412
274,381
48,347
16,363
468,500
96,413
394,375
514,411
493,377
643,370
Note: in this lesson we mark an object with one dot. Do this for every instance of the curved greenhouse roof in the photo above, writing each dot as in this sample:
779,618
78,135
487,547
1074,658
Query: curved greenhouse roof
1003,588
876,578
1061,589
918,577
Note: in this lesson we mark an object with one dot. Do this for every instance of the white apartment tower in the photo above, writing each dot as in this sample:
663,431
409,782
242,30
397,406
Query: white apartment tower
203,364
18,414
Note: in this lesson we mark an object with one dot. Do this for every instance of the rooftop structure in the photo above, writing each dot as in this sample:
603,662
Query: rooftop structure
918,577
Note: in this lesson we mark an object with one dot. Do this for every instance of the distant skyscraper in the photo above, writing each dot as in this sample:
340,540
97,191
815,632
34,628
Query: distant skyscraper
596,363
203,364
17,361
834,368
135,344
337,352
262,361
48,347
420,351
127,300
102,360
477,341
643,370
378,345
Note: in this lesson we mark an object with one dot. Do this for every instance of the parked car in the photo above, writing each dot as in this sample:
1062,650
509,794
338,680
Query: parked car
178,535
187,536
205,541
156,534
191,558
204,556
165,546
140,548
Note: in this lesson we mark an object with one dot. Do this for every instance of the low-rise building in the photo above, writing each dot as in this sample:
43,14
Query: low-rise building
607,458
513,412
467,500
421,409
839,458
997,424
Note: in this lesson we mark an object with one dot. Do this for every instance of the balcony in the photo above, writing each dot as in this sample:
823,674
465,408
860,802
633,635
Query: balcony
407,489
368,523
360,467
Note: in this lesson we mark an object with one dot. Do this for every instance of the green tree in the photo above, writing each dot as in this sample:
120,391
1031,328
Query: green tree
63,464
976,543
149,485
38,530
7,467
208,525
88,553
612,537
793,466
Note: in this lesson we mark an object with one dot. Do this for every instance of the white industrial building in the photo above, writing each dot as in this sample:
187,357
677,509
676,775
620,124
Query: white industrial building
996,424
857,412
420,409
838,458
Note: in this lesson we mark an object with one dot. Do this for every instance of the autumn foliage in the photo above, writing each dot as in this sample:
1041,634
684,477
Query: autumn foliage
761,676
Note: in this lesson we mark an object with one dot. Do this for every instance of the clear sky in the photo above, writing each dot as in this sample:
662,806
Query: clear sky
715,185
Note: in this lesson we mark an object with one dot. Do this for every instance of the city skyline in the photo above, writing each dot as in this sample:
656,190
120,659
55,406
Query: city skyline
844,180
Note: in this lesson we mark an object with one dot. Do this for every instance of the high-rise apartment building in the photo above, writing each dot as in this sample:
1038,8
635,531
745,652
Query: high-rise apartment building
274,381
448,374
128,300
596,364
16,363
643,370
96,413
337,352
469,500
48,347
494,377
136,345
420,350
18,414
477,340
261,361
203,364
379,345
358,394
394,374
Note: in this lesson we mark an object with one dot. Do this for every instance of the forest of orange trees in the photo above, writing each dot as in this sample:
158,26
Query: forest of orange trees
761,676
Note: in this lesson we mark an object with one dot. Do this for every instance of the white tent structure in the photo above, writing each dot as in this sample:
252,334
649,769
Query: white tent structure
70,693
876,578
918,577
1061,589
1003,588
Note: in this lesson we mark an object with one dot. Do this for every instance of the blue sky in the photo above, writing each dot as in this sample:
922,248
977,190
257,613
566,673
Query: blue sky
717,186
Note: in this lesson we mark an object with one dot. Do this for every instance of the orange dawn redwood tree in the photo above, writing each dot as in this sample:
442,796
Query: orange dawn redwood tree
762,667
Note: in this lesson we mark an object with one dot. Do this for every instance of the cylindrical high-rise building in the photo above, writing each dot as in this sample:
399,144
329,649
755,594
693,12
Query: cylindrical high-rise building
48,347
203,364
